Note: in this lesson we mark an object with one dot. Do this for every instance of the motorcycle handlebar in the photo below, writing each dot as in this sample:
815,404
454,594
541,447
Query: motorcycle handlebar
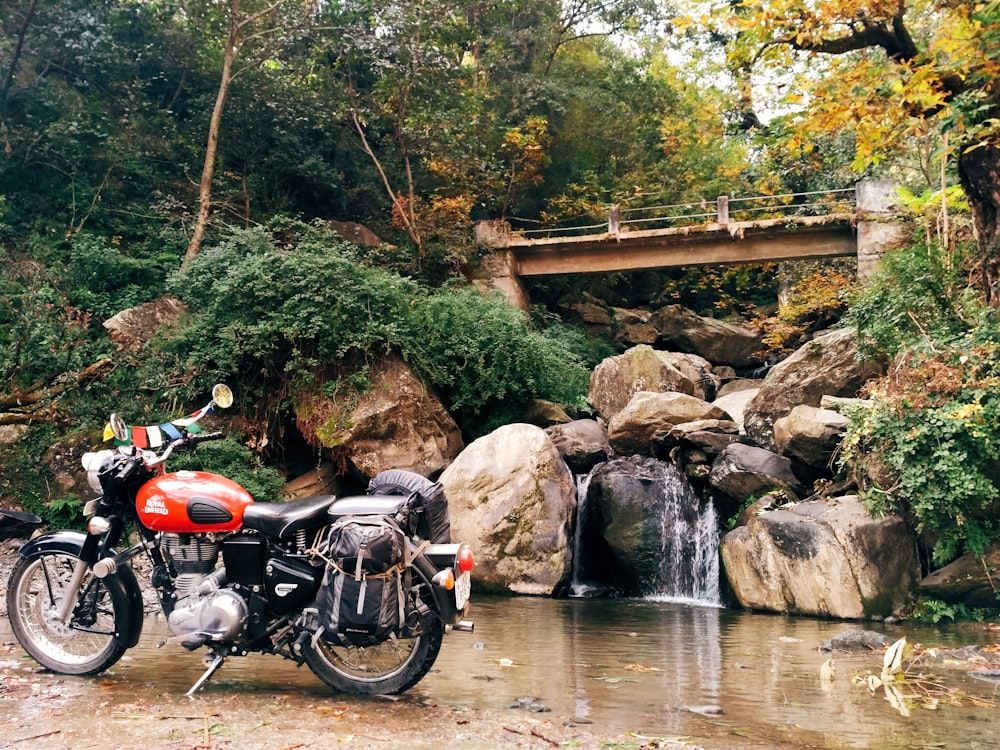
187,441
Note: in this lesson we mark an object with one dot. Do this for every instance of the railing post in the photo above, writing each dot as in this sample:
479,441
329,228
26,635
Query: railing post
615,220
722,209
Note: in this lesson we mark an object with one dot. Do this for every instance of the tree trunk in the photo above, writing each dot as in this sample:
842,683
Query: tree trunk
979,172
208,170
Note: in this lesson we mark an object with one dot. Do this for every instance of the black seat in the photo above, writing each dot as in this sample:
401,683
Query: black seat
281,520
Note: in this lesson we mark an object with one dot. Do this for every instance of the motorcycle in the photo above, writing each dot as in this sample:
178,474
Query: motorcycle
360,589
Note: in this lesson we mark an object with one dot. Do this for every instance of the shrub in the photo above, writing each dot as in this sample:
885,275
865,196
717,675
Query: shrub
928,446
917,294
486,360
275,303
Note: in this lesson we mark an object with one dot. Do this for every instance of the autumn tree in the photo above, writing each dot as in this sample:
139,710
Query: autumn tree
887,70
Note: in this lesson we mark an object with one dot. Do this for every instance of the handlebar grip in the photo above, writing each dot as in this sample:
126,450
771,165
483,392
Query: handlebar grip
204,437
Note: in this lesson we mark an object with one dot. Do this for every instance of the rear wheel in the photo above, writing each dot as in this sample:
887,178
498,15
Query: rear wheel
87,643
385,669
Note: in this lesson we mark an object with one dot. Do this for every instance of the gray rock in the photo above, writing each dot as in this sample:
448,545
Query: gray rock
647,414
742,471
827,365
511,496
734,403
856,640
717,341
810,435
966,580
583,443
395,424
826,559
617,379
132,328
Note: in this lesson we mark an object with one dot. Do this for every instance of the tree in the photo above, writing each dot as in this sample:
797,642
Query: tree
887,70
254,32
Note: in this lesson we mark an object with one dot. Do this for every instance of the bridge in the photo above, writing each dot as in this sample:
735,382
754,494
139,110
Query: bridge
853,222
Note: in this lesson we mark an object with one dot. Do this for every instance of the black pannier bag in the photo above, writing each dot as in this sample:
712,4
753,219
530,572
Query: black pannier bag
363,593
426,503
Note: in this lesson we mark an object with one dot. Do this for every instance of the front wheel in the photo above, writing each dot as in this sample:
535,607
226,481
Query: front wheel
386,669
88,642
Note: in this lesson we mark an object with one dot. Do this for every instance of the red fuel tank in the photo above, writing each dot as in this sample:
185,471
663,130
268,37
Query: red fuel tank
191,502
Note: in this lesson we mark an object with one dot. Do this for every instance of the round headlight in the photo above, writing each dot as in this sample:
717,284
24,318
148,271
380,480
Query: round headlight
94,463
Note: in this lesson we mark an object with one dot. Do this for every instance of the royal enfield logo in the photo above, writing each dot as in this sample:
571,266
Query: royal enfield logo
284,589
156,507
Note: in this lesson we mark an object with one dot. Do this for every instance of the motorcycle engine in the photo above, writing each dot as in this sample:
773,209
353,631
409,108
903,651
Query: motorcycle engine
204,610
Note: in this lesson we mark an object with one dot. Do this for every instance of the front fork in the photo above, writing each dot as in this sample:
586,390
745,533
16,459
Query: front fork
72,592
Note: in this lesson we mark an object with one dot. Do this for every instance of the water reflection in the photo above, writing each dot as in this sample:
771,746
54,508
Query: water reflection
667,669
661,669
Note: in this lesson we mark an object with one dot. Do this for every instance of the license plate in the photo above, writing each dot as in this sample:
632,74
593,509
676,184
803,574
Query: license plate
463,587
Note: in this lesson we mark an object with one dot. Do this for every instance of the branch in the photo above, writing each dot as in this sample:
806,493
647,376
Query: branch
410,229
20,407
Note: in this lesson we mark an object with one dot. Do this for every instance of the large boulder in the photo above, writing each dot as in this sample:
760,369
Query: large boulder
642,368
649,414
827,559
827,365
132,328
967,580
810,434
652,532
719,342
735,403
394,424
744,471
511,497
632,326
583,443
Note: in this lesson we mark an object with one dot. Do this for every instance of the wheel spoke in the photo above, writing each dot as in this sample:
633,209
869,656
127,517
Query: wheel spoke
85,644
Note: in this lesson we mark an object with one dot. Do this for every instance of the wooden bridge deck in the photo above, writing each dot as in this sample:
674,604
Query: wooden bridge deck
797,226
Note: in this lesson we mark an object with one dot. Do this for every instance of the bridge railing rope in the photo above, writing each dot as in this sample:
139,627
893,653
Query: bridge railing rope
723,210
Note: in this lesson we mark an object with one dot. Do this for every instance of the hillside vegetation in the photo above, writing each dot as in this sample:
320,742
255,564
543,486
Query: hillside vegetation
211,150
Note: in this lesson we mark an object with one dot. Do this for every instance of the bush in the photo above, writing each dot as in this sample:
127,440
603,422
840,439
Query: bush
272,304
929,445
235,461
918,294
486,360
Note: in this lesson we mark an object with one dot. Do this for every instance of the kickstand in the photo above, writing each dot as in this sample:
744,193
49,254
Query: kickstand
212,668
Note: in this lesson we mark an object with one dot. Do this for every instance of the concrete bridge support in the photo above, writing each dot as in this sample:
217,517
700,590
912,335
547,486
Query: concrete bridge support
882,226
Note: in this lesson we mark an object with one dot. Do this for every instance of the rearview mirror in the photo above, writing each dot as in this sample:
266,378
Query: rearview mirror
119,428
222,395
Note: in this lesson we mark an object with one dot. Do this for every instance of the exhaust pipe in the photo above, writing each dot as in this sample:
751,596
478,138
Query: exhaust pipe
464,626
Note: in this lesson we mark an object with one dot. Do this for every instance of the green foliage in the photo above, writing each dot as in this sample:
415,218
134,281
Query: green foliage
486,360
233,460
42,335
105,281
928,446
917,294
272,304
27,479
935,610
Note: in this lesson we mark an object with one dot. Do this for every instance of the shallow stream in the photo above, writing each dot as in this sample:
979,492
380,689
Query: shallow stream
712,676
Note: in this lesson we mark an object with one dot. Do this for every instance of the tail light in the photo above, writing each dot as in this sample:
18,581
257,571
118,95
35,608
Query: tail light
464,559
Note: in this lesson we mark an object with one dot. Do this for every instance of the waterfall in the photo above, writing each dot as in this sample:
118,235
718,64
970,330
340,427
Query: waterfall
689,542
680,530
578,585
